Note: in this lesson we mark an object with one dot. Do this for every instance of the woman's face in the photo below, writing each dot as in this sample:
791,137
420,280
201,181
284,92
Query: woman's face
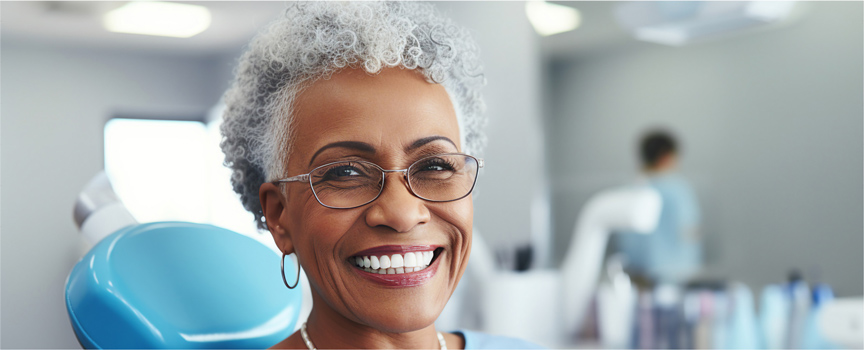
391,119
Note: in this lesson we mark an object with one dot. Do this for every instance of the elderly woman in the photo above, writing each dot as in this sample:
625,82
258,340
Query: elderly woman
352,131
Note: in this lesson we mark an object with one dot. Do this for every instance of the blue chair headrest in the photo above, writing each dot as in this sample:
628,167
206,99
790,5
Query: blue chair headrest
180,285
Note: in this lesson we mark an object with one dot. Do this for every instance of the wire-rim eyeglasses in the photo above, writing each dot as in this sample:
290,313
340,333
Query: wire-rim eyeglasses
350,184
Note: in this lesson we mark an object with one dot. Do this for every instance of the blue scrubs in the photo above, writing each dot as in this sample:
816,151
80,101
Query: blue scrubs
673,252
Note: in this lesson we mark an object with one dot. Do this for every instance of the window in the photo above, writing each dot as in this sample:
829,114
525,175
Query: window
171,170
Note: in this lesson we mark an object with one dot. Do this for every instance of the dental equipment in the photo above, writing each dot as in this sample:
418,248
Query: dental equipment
630,208
172,284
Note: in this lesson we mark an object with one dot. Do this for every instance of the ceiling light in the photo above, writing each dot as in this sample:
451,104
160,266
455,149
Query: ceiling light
678,23
549,19
158,18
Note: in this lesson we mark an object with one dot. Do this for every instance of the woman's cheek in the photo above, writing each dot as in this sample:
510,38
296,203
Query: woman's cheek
460,214
331,223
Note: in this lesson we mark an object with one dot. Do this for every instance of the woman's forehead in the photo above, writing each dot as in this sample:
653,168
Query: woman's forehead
390,111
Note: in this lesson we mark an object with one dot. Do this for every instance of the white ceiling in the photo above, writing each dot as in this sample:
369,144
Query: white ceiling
233,25
79,24
598,31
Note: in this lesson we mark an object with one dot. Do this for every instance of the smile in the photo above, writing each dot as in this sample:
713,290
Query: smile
397,265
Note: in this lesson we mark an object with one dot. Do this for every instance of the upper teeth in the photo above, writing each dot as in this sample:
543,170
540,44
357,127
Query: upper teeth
394,263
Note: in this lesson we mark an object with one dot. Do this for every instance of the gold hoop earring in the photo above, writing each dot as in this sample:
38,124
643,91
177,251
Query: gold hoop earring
297,281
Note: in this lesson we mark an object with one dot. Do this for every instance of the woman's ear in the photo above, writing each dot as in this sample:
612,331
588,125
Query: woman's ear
273,205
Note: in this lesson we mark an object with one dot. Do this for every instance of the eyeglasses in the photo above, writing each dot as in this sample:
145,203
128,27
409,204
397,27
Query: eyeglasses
351,184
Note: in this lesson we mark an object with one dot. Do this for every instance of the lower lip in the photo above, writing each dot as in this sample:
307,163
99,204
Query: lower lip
411,279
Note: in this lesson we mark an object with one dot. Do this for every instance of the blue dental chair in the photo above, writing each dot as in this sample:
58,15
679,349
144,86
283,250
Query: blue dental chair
173,285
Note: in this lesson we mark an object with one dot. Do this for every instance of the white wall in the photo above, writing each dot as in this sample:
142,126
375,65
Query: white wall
54,106
771,126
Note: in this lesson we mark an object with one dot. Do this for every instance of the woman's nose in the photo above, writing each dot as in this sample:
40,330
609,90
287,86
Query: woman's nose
397,207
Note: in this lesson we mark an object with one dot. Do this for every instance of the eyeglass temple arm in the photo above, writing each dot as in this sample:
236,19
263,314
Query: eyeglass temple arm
300,178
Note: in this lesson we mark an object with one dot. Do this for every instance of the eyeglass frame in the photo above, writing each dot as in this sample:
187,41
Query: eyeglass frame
308,178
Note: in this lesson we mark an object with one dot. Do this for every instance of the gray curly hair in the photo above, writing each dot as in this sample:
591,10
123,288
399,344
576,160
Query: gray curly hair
313,40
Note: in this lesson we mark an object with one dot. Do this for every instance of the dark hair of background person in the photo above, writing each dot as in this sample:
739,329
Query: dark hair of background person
656,144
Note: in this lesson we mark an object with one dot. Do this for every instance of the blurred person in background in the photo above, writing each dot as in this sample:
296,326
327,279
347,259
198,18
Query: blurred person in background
673,252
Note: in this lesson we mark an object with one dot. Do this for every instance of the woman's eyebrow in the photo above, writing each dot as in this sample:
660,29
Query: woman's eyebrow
425,140
357,145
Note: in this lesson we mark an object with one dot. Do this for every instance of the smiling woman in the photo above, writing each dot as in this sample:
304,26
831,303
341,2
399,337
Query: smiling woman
352,131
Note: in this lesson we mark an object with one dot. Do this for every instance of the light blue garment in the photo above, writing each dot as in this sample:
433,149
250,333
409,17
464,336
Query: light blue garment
477,340
674,250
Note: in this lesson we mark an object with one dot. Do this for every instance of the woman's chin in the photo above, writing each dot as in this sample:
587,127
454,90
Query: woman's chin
402,323
406,312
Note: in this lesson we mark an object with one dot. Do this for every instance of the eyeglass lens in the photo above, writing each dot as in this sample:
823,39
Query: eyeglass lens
351,184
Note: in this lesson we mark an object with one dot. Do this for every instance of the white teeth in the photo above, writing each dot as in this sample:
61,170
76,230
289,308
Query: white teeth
410,260
396,260
395,263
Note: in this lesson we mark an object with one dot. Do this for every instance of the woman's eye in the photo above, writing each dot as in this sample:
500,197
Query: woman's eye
436,165
346,171
341,172
433,167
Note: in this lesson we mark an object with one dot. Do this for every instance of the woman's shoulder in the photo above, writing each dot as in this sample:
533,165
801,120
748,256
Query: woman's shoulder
478,340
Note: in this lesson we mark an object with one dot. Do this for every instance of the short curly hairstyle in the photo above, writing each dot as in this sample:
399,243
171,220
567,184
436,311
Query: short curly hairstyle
313,40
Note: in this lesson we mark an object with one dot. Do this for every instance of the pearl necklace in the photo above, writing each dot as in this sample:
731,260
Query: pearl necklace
311,346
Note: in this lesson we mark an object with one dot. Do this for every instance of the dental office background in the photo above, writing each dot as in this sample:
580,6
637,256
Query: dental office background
769,115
